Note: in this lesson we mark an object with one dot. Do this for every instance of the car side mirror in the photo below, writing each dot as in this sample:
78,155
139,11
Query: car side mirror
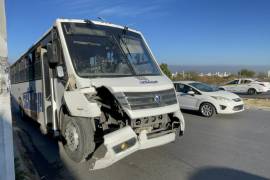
192,93
52,55
60,71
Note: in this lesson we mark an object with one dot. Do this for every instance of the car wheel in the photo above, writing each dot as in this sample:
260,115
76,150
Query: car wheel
78,137
252,91
207,109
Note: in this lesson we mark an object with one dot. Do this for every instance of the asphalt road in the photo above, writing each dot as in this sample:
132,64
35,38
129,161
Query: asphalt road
256,96
223,147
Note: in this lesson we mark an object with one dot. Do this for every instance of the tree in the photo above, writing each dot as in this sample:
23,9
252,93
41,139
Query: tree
166,70
246,73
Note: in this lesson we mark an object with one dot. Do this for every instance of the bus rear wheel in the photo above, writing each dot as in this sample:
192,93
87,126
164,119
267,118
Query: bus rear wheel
78,137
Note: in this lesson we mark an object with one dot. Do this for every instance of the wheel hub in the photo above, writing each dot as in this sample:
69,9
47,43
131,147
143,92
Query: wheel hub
72,136
207,110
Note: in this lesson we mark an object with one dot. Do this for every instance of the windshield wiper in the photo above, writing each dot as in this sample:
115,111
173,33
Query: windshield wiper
123,52
126,46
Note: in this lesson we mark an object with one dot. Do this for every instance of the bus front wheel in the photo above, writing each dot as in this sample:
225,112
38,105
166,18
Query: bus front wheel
78,137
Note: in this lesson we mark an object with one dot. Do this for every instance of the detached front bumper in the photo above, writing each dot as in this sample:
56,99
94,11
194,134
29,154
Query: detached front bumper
124,142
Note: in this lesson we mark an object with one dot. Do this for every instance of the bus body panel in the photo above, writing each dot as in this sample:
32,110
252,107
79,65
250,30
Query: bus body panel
29,96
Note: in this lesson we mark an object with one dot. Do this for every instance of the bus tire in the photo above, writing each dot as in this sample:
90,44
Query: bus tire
78,137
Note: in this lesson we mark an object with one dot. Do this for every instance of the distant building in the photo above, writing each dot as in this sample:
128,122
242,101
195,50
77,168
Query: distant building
218,74
201,74
268,74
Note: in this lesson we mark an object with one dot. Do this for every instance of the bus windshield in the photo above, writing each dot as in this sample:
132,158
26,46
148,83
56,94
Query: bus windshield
100,51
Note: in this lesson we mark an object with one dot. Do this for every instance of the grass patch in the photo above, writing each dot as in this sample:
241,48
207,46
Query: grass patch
258,102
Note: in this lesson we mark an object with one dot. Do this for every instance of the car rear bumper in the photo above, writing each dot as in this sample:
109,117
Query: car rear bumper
262,90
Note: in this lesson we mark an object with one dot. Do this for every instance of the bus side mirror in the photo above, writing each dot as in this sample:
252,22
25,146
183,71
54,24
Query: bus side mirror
52,56
60,71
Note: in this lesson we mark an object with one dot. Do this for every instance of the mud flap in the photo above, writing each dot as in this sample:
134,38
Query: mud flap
116,146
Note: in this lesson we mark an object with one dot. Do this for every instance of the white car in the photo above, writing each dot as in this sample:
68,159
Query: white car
208,100
246,85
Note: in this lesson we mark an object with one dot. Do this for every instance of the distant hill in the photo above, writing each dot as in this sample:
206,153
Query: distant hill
218,68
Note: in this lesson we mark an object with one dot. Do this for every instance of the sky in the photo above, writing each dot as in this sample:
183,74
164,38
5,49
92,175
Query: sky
190,32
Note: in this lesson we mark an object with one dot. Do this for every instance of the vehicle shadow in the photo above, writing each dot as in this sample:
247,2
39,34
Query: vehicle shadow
216,116
223,173
196,113
42,150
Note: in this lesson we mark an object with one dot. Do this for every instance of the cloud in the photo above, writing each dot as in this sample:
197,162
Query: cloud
130,11
109,8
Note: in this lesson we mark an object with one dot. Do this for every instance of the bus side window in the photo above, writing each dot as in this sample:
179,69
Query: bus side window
30,72
37,66
12,75
16,72
23,70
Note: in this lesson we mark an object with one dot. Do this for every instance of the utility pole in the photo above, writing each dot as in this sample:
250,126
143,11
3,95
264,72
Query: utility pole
3,37
6,140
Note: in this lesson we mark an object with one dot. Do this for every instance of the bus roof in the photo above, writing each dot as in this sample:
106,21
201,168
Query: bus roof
95,22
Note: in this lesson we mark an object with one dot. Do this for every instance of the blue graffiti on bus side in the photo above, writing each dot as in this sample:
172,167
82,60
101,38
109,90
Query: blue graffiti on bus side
33,100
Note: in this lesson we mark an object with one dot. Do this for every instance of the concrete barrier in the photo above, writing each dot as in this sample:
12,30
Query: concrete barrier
7,171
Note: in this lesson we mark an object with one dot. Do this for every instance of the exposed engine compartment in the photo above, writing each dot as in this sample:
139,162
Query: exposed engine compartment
113,117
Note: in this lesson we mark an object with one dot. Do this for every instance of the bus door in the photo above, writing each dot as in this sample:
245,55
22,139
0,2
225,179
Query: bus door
48,93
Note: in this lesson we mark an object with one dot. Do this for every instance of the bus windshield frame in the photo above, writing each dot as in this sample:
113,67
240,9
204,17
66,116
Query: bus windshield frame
105,51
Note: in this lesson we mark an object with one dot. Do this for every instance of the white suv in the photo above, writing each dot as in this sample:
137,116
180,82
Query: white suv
246,85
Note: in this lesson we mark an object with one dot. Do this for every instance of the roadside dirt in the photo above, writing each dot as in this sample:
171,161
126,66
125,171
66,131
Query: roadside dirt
25,170
258,103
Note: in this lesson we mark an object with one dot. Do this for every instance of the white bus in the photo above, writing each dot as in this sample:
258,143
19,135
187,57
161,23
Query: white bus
97,87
